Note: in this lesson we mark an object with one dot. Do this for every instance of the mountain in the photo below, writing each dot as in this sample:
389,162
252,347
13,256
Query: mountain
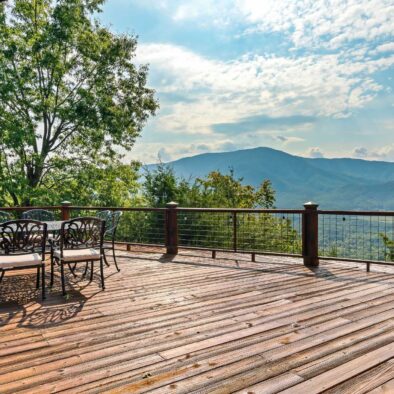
333,183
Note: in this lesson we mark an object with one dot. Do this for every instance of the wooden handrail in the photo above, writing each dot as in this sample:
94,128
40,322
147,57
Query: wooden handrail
21,209
91,208
355,213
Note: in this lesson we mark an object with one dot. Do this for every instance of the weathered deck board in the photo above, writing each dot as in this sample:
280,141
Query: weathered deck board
193,324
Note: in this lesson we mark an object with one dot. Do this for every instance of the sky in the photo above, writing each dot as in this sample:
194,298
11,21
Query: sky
313,78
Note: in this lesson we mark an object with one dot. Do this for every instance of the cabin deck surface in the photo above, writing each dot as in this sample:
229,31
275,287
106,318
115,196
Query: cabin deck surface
191,324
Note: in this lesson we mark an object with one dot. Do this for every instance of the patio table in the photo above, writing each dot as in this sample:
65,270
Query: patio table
54,225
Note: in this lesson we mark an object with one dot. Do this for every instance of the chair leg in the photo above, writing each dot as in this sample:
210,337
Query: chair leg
105,259
52,271
63,280
113,253
102,273
38,278
72,269
91,271
43,280
86,268
2,275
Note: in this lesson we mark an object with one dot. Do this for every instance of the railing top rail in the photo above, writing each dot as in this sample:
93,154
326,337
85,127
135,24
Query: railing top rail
241,210
357,213
117,208
49,208
189,209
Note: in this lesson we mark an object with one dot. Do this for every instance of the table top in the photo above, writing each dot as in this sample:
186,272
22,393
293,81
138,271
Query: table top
54,225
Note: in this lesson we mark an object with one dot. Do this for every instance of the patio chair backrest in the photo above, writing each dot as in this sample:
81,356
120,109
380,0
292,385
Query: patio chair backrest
81,233
115,220
22,237
105,215
111,220
5,216
39,214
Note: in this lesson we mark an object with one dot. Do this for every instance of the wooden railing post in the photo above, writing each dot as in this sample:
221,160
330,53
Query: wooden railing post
310,245
65,211
172,228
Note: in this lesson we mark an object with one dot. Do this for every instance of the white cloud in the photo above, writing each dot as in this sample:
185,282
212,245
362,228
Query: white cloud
288,140
328,54
164,155
360,152
226,91
308,23
385,153
148,152
315,153
318,23
388,47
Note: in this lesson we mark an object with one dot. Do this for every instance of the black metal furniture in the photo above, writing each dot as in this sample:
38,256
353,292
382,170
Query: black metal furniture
4,216
39,214
81,240
112,219
22,246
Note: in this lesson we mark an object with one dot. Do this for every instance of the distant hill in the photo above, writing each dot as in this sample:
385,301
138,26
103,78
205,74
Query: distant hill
333,183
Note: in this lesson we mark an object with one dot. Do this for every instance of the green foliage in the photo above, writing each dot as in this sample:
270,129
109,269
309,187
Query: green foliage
161,186
255,231
71,97
227,191
389,244
109,184
216,190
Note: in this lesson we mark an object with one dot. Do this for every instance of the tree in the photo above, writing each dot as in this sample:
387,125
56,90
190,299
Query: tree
389,245
216,190
161,186
110,184
226,191
215,229
70,93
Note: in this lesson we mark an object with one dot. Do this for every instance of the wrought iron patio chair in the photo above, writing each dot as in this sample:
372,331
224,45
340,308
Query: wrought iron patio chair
5,216
22,246
43,216
39,214
112,219
81,240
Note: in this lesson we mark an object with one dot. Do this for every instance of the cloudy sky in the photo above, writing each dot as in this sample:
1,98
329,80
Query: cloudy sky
310,77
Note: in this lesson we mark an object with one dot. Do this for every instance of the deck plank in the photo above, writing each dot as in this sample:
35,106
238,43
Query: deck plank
194,324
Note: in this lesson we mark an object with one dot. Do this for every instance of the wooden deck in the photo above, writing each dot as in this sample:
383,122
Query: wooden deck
197,325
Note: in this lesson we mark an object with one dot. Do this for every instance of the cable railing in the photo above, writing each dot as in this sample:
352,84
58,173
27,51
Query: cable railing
357,236
13,213
360,236
137,226
240,230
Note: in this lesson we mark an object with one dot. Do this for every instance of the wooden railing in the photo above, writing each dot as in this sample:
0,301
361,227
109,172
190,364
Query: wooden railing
309,233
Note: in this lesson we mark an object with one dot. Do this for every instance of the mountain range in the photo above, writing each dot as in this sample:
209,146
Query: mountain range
350,184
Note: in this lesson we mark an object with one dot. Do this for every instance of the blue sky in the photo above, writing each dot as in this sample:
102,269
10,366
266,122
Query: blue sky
310,77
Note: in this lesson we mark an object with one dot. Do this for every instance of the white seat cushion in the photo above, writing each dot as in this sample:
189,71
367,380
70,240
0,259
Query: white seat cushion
78,254
23,260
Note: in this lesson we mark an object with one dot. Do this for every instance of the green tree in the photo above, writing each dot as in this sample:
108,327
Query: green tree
226,191
256,231
71,96
161,186
216,190
110,184
389,244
